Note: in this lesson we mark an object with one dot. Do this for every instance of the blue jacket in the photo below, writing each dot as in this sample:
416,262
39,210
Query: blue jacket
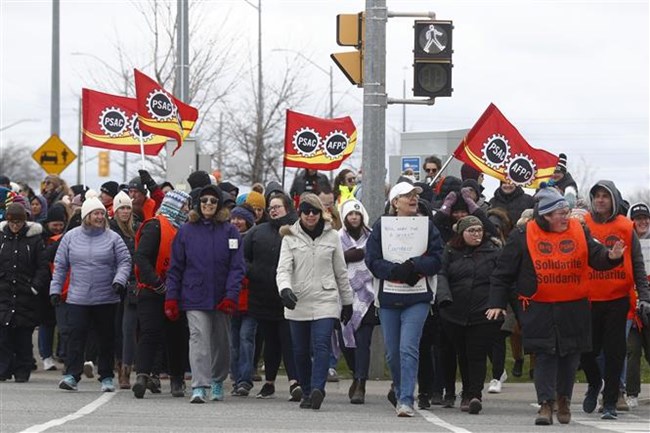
207,264
96,258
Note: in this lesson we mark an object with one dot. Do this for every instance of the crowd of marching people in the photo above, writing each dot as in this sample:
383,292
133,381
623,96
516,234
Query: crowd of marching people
139,283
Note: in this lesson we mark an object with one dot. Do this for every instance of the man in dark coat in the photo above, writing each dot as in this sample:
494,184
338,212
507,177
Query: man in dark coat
513,199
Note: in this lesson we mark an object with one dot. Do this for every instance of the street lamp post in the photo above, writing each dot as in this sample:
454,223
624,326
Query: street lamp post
260,97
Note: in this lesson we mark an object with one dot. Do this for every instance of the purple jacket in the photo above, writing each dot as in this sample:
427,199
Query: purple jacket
207,265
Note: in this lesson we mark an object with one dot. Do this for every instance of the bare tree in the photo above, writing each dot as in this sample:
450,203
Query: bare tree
17,164
640,195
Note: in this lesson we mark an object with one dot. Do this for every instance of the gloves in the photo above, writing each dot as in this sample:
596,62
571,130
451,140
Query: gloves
119,289
413,278
227,306
289,299
471,204
402,271
450,200
147,180
346,314
55,300
171,310
643,311
353,255
161,290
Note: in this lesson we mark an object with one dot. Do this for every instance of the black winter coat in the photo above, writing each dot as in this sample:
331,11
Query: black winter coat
262,253
23,271
464,280
146,254
547,327
514,203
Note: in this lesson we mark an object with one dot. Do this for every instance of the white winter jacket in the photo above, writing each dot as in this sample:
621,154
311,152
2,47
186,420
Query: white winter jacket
315,270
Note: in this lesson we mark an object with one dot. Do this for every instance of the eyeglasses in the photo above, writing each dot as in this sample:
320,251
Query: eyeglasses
476,231
350,179
431,170
410,194
211,200
276,207
311,212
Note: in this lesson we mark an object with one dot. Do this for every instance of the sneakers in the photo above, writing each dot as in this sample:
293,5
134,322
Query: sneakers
424,401
518,368
107,385
89,368
495,386
591,399
475,406
545,414
316,398
242,389
609,413
267,391
305,403
405,411
216,391
332,375
49,364
504,376
140,385
177,386
69,383
198,395
295,392
632,401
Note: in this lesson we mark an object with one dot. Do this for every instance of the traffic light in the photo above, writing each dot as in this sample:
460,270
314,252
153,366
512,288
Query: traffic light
104,163
350,30
432,58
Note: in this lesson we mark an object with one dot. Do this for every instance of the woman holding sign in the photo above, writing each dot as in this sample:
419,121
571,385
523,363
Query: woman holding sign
402,252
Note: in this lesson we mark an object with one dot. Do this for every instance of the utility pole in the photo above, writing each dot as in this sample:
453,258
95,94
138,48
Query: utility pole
182,82
55,102
260,95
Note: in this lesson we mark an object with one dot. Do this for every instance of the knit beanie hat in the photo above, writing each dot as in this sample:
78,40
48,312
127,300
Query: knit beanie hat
16,211
549,199
198,179
469,172
256,199
466,222
111,188
561,163
136,183
245,214
229,188
13,197
122,199
172,205
90,205
353,205
241,199
57,213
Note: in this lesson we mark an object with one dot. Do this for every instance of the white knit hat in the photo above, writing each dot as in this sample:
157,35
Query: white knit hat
122,199
90,205
353,205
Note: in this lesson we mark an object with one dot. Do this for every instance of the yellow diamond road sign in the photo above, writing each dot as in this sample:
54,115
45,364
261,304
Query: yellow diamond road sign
54,156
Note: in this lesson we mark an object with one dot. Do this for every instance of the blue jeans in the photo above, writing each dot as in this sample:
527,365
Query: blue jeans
45,340
402,329
242,348
312,338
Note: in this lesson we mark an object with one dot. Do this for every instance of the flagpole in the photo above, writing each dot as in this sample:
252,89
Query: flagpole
284,168
142,150
432,181
83,152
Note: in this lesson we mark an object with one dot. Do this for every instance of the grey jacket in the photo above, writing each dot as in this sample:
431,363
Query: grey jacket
96,258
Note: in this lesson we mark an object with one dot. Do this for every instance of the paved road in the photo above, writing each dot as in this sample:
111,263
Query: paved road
40,406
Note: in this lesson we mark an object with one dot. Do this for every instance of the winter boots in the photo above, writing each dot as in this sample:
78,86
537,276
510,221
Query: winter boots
359,394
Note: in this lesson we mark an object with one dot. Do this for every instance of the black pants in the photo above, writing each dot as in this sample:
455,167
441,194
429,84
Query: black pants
79,319
448,358
608,320
498,355
358,359
472,344
638,341
156,329
16,352
426,363
555,375
277,346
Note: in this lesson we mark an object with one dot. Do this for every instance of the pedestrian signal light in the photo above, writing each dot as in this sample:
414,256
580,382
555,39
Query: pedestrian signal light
432,64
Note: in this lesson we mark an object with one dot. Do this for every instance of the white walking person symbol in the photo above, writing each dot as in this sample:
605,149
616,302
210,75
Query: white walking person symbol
431,36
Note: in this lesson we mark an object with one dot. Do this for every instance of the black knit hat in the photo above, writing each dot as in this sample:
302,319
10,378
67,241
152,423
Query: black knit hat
229,188
136,183
111,188
56,213
561,164
469,172
198,179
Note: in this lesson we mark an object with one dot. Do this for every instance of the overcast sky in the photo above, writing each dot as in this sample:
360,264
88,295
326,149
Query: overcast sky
572,76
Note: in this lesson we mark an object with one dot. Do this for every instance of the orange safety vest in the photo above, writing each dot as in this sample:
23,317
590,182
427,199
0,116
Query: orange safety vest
167,233
148,208
561,263
615,283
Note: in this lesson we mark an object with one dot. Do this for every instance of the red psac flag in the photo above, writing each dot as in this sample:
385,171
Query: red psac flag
111,122
495,147
316,143
160,112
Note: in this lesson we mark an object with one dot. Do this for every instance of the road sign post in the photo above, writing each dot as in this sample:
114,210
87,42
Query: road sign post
54,156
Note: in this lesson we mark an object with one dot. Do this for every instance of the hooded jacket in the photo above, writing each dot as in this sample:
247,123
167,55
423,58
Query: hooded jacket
514,203
316,272
207,262
23,275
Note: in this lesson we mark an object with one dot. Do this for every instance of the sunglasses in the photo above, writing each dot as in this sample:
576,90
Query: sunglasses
211,200
310,211
431,170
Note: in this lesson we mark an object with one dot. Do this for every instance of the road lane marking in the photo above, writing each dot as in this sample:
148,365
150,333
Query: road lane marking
427,415
86,410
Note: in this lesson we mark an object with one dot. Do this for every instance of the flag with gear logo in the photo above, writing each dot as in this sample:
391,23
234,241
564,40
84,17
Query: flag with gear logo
160,112
317,143
111,122
496,148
